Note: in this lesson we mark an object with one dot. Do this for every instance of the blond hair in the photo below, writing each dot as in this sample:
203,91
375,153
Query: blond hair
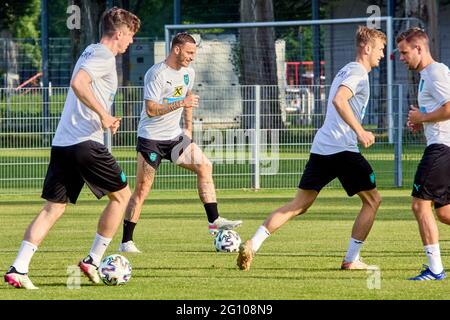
365,35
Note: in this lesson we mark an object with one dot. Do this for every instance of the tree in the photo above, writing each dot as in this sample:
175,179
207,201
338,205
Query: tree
91,11
18,19
258,62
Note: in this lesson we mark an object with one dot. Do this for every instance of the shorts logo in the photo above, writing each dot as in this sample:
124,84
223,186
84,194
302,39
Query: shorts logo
186,79
123,177
417,187
178,91
372,177
152,156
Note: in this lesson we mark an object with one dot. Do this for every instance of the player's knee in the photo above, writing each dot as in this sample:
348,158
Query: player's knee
54,210
121,196
443,217
415,207
299,207
205,168
377,200
373,201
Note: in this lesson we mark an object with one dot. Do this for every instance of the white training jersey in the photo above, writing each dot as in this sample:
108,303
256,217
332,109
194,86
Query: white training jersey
335,135
78,123
162,85
434,92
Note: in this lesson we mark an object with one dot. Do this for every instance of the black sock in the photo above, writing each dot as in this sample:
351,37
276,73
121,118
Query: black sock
211,211
128,229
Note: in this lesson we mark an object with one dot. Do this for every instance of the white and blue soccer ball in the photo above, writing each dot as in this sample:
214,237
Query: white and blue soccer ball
227,241
115,270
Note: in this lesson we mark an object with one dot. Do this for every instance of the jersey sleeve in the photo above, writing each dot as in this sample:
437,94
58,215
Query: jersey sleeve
97,64
153,87
191,83
440,90
353,81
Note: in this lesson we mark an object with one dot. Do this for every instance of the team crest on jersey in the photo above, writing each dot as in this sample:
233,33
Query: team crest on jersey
186,79
178,91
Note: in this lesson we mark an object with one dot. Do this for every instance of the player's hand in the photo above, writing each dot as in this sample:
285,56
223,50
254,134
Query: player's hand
415,116
366,138
108,120
188,133
413,127
115,126
191,101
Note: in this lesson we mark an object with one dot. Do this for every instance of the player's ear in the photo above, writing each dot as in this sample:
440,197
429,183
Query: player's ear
368,48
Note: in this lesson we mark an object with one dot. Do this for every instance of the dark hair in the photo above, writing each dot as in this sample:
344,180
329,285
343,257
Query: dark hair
412,35
115,18
182,38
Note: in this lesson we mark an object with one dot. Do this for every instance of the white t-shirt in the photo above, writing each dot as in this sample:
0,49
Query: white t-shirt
78,123
335,135
162,84
434,92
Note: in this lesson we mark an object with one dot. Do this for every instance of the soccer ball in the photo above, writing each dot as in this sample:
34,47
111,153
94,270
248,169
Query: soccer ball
227,241
115,270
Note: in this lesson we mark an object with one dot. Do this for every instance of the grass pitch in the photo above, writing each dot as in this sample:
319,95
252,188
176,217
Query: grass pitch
300,261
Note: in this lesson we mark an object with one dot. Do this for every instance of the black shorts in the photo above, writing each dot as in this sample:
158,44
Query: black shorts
432,179
154,151
87,162
351,168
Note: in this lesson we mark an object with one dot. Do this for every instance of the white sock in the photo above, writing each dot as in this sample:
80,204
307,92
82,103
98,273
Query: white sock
434,258
98,248
26,251
261,234
354,246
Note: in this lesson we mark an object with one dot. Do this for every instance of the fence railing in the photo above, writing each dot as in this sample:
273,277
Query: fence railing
256,136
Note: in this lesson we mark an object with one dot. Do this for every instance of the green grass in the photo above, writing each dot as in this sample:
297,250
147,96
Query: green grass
300,261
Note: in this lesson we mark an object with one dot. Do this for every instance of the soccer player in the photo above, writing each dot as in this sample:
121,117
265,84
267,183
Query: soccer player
432,180
78,154
335,154
167,96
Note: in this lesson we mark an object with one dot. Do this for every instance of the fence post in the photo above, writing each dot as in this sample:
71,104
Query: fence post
398,145
257,139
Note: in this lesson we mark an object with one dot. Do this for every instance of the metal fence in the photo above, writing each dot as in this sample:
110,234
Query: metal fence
256,136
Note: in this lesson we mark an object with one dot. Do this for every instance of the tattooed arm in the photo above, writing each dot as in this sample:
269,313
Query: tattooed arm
155,109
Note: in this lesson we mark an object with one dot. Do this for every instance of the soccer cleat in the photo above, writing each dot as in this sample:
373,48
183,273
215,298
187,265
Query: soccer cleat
19,280
245,257
427,274
354,265
89,269
222,223
129,246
